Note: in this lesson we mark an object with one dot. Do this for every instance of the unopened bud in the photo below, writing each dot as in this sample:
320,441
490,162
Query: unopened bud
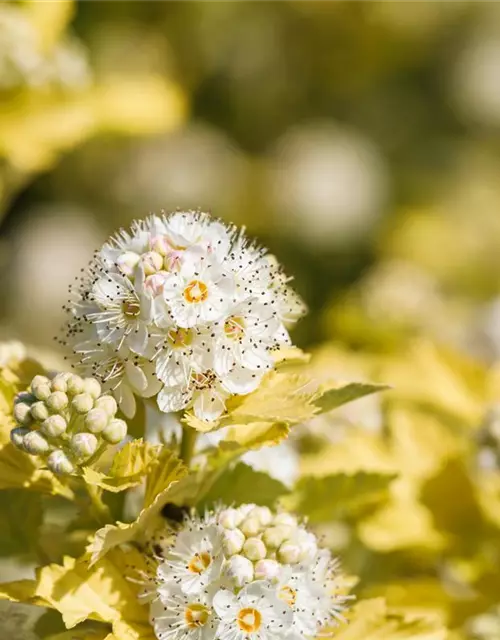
286,519
289,553
160,245
239,570
230,518
84,445
41,390
115,431
58,462
266,569
173,261
92,387
250,527
263,514
307,543
35,443
59,382
254,549
96,420
57,401
39,380
82,403
17,436
74,385
22,414
233,541
127,263
54,426
275,536
154,283
152,262
39,411
107,404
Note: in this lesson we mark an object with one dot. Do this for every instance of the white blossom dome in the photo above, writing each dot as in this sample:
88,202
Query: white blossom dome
243,572
181,307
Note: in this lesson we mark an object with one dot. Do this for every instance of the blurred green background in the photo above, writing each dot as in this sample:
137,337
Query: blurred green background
350,137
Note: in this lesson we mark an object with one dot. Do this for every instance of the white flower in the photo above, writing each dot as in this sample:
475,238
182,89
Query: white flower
195,560
255,612
187,300
177,616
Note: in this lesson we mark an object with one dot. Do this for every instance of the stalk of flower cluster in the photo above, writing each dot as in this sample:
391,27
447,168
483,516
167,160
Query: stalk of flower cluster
243,572
182,308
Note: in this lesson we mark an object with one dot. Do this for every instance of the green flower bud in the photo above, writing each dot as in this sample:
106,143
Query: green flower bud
54,426
92,387
41,391
96,420
59,382
58,462
74,385
57,401
107,404
84,445
115,432
250,527
275,536
82,403
39,411
17,437
22,413
254,549
35,443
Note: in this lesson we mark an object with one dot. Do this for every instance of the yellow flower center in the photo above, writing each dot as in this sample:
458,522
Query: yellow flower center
249,620
131,308
288,595
179,337
200,562
196,292
196,615
234,327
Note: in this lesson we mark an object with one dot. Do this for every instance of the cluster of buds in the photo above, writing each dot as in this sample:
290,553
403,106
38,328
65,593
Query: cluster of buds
66,421
242,572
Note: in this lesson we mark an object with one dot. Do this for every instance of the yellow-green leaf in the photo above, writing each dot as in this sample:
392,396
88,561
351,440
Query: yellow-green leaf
256,434
330,397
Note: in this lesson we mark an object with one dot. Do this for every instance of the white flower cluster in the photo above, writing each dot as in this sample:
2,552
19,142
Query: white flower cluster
184,308
65,420
244,573
24,63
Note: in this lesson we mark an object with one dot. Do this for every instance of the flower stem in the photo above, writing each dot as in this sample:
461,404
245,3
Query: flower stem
98,508
188,442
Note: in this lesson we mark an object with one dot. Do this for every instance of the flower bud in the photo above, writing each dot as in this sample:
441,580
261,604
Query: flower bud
115,431
22,413
54,426
307,543
152,262
254,549
59,382
173,261
239,570
127,263
39,411
230,518
286,519
92,387
82,403
266,569
155,282
96,420
74,385
107,404
35,443
263,514
84,445
160,245
57,401
233,541
250,527
58,462
17,436
289,553
41,390
275,536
